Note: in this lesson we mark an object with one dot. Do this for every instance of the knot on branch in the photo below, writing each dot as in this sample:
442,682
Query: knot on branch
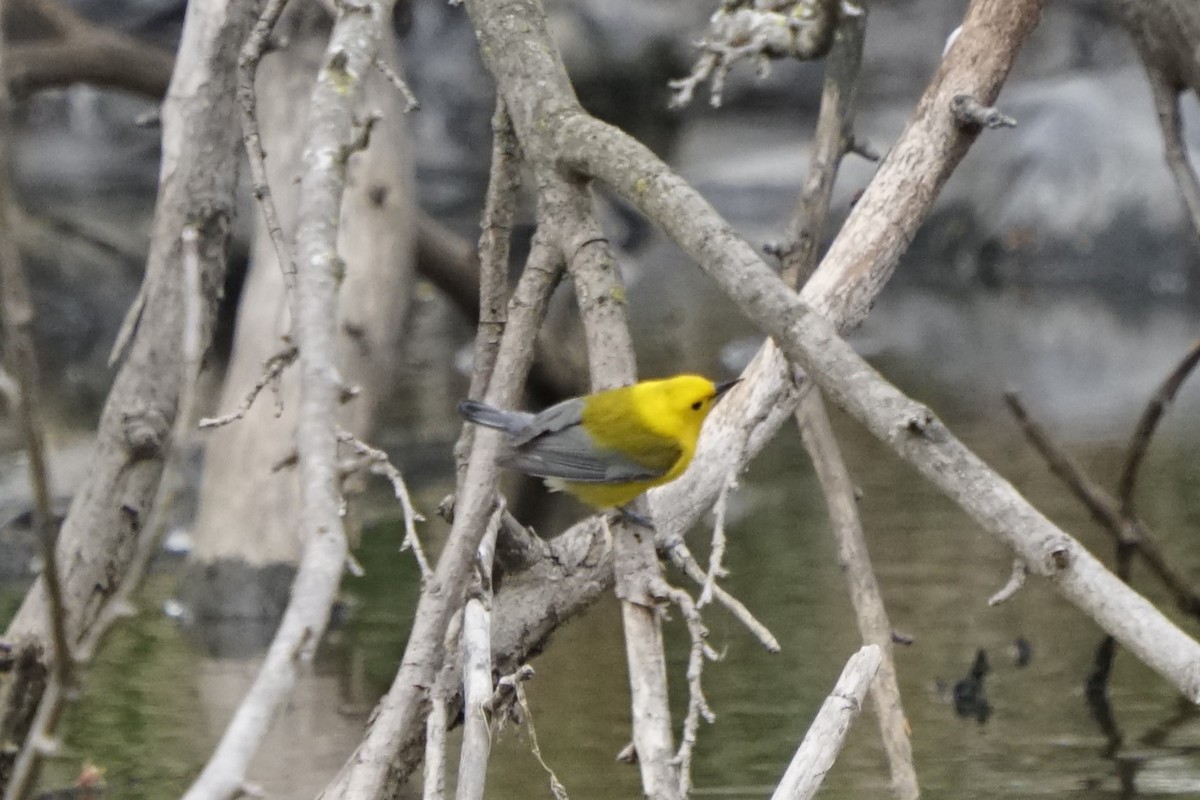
145,433
1059,559
919,420
973,115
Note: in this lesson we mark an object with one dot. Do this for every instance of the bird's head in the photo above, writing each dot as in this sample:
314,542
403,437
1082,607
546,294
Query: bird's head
685,400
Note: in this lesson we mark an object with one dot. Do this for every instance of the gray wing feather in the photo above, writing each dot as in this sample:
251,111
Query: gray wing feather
511,422
556,446
570,454
558,417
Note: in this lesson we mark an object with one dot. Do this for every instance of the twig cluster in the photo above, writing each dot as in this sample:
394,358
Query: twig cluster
759,30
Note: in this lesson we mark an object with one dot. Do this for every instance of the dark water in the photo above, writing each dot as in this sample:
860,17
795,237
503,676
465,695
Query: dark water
155,703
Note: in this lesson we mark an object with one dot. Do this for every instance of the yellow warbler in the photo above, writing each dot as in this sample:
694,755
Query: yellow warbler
609,447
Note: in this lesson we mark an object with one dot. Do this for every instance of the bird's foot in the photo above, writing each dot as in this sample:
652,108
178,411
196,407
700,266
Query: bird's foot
629,515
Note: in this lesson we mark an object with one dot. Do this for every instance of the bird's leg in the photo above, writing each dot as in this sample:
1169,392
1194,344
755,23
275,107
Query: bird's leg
627,513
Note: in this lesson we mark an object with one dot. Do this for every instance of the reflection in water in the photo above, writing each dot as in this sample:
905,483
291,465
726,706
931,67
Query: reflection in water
154,705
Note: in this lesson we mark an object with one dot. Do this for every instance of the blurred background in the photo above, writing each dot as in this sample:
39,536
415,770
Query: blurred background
1058,262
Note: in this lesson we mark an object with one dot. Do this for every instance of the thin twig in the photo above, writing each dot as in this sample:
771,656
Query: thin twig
1020,571
1147,423
21,359
379,464
698,708
273,367
436,724
717,553
410,100
248,60
556,787
832,139
1166,92
682,558
1104,509
438,721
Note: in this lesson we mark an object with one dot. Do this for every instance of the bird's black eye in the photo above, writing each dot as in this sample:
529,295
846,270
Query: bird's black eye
696,405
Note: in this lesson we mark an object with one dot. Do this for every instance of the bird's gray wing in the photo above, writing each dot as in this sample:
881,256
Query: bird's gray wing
558,417
557,446
511,422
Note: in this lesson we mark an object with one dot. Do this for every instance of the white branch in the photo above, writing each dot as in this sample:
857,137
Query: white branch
827,733
477,670
349,55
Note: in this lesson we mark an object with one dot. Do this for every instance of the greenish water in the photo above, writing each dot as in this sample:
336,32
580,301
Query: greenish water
155,702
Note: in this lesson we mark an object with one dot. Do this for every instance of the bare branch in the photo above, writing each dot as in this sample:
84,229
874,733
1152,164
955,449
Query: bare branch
438,721
150,537
397,727
477,669
1164,33
834,137
111,508
81,52
908,427
379,464
717,551
348,57
273,367
682,557
1147,423
827,734
20,356
1130,533
499,210
599,292
865,596
636,567
248,60
697,704
410,100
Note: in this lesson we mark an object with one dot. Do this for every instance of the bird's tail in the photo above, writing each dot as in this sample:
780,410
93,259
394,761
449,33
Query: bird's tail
483,414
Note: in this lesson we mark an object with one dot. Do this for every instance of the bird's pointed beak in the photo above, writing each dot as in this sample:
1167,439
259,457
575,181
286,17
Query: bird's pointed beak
722,388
